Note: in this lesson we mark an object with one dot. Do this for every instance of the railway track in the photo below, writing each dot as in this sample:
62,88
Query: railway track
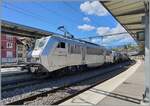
13,75
60,94
7,86
15,65
12,80
25,79
20,84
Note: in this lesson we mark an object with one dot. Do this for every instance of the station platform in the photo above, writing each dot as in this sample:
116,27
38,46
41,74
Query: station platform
11,71
125,89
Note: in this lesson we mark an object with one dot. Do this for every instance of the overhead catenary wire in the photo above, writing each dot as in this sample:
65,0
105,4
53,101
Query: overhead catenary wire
29,13
102,37
105,35
82,15
75,10
57,14
21,11
32,14
93,21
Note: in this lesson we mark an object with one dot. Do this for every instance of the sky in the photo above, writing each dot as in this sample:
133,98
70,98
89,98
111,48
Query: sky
80,18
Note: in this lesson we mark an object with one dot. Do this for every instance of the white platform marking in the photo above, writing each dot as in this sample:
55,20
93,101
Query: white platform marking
90,97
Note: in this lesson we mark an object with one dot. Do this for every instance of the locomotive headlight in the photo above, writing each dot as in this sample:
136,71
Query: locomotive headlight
35,60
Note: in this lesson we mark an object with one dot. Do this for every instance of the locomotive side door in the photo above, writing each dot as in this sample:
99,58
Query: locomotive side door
60,55
83,55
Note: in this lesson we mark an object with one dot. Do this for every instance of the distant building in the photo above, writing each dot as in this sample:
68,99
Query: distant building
13,49
8,48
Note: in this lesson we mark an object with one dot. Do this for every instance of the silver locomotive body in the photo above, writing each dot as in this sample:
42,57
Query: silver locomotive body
56,52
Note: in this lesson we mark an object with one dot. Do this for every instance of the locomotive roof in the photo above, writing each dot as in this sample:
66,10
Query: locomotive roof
76,40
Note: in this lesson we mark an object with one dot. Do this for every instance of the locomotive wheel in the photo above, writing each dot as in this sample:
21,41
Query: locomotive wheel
74,68
78,68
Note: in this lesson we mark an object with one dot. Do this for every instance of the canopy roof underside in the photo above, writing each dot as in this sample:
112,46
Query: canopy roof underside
128,13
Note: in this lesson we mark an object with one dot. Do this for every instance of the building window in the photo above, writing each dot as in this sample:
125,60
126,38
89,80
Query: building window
9,37
61,45
20,48
2,47
9,54
9,45
20,55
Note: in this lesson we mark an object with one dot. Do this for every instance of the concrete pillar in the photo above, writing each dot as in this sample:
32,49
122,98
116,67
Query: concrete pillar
146,96
17,53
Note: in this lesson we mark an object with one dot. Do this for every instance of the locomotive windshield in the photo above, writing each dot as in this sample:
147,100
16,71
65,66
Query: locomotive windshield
40,43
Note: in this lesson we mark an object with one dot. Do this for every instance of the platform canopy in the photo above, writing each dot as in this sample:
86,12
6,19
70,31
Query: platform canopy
22,30
129,14
133,15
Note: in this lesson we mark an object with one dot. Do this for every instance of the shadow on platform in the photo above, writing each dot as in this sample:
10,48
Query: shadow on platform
118,96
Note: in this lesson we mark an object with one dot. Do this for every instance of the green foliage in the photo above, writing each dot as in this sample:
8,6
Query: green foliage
128,47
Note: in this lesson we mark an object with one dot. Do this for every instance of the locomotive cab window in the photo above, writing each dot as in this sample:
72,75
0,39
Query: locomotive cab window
61,45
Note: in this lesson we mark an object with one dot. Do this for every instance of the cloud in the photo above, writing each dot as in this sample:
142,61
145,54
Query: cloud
114,39
96,40
108,30
123,41
103,30
93,8
86,19
86,27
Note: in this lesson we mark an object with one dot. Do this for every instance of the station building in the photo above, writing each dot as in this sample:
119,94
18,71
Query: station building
13,50
8,48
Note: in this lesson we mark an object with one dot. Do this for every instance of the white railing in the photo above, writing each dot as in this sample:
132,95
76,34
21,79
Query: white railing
12,60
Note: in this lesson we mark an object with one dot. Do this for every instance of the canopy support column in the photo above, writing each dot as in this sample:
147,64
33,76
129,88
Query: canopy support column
146,96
